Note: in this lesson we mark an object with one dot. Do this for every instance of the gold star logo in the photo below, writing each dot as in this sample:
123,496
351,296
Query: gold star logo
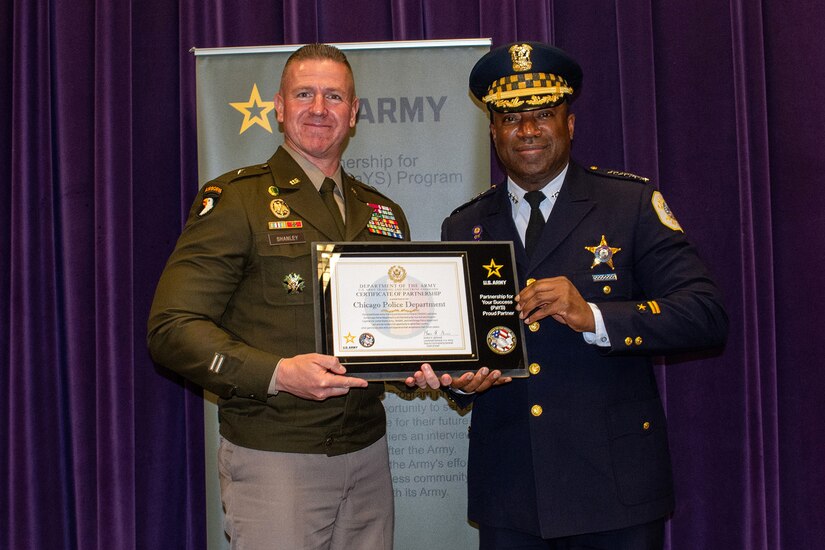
602,253
349,338
493,269
253,106
641,307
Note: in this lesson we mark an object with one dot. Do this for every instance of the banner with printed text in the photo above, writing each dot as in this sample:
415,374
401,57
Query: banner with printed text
420,140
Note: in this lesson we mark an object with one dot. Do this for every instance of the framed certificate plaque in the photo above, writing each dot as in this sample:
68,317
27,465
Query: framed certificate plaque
383,309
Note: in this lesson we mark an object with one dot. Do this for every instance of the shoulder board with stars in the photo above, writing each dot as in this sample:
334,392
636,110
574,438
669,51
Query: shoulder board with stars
475,199
618,174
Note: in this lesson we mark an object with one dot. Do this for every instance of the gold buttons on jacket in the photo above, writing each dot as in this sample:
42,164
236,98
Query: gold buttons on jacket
536,410
534,368
629,341
607,289
646,426
638,341
534,326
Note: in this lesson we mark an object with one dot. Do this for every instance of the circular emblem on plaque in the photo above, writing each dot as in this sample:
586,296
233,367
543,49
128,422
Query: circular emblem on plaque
366,340
397,273
279,208
501,340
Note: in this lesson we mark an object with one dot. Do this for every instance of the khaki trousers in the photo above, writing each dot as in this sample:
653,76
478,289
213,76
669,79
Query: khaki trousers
297,501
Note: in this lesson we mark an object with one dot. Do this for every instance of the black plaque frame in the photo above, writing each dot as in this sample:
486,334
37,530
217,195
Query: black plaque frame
489,274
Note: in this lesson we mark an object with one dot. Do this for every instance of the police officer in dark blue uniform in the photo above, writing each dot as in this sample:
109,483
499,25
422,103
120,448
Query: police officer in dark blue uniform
575,455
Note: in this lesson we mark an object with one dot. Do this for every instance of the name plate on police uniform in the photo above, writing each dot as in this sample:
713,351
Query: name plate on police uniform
383,309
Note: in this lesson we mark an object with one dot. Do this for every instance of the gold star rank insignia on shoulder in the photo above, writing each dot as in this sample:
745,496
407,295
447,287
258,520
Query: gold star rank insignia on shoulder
602,253
383,222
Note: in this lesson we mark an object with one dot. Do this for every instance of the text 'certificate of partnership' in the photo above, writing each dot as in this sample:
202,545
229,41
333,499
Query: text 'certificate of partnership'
393,306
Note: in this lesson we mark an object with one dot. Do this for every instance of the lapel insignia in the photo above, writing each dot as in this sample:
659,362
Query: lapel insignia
279,208
383,222
273,191
294,283
294,181
477,233
602,253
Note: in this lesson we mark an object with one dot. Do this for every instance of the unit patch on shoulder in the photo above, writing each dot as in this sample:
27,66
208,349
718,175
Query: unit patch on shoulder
211,195
663,211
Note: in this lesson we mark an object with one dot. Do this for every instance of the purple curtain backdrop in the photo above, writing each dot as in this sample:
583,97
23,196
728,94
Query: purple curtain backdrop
722,103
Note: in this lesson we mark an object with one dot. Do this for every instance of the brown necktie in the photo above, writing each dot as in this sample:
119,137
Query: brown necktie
328,196
536,223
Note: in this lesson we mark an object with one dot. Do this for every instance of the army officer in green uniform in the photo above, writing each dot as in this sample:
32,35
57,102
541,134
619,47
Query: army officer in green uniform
303,455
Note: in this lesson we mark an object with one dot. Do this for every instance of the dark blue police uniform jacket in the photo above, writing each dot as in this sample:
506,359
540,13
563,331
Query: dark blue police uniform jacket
581,445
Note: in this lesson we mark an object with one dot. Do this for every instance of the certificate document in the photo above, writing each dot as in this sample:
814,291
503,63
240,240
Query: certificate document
385,308
400,305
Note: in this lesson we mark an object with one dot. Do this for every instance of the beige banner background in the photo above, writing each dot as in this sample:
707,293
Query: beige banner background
420,140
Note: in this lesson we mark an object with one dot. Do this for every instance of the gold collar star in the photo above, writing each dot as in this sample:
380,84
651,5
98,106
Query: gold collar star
254,104
493,268
602,253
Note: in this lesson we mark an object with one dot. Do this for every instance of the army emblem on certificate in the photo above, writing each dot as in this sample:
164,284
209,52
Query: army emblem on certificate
397,274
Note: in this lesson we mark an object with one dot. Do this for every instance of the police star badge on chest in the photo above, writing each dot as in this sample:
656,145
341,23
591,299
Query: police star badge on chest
603,254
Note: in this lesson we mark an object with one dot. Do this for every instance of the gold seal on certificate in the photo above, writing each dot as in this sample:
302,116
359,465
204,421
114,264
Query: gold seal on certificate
385,308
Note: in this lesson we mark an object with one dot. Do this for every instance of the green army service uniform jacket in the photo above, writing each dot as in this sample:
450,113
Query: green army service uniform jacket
235,297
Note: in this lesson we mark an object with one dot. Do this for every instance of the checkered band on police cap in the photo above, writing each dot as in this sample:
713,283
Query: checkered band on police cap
524,76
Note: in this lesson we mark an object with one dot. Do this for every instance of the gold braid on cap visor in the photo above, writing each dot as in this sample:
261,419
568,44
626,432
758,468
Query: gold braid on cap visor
508,91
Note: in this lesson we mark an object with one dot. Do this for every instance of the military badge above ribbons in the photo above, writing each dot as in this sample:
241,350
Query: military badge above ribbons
383,309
